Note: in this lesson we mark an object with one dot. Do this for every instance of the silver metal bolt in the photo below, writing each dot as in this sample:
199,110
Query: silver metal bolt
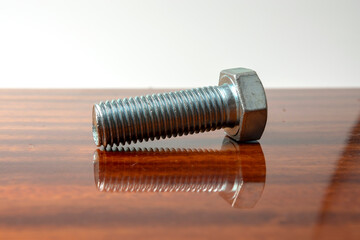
238,104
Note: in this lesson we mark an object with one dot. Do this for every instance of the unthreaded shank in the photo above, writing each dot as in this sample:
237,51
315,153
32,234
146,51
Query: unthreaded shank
164,115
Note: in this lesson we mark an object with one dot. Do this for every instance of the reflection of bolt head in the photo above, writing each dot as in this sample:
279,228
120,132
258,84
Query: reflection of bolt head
246,190
252,109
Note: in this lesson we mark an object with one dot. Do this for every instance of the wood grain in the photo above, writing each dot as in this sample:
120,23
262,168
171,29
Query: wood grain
301,181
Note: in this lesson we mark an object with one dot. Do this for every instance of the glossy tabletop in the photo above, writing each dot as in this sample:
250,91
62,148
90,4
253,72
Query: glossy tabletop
300,181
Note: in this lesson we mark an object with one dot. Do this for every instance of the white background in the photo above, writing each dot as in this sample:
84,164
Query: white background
169,44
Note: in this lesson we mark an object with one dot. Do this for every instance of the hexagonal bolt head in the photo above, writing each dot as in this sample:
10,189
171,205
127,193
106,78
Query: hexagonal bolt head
252,104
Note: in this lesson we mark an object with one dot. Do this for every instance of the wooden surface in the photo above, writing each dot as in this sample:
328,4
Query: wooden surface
301,181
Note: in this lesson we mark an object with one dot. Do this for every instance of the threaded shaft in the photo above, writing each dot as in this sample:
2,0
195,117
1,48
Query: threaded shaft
163,115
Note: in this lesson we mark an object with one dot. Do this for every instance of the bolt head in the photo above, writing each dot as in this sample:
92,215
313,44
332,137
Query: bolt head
252,107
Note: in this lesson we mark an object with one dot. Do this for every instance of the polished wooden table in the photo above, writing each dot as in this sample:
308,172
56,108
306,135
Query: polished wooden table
300,181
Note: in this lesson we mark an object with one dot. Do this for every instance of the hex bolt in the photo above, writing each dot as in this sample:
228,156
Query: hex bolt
238,104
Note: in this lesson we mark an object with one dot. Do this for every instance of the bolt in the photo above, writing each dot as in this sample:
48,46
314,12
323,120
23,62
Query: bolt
236,172
238,104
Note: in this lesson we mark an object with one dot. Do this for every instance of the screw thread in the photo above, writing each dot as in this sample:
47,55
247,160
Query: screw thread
163,115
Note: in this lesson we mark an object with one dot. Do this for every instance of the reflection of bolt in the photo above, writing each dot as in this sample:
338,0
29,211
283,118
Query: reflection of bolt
186,170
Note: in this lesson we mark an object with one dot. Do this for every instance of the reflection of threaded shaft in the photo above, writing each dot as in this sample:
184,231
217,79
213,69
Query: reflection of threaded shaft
165,170
163,184
177,151
163,115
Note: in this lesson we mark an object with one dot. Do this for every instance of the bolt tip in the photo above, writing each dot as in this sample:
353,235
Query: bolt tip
95,125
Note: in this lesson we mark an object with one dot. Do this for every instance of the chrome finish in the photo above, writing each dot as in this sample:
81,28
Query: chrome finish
238,104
